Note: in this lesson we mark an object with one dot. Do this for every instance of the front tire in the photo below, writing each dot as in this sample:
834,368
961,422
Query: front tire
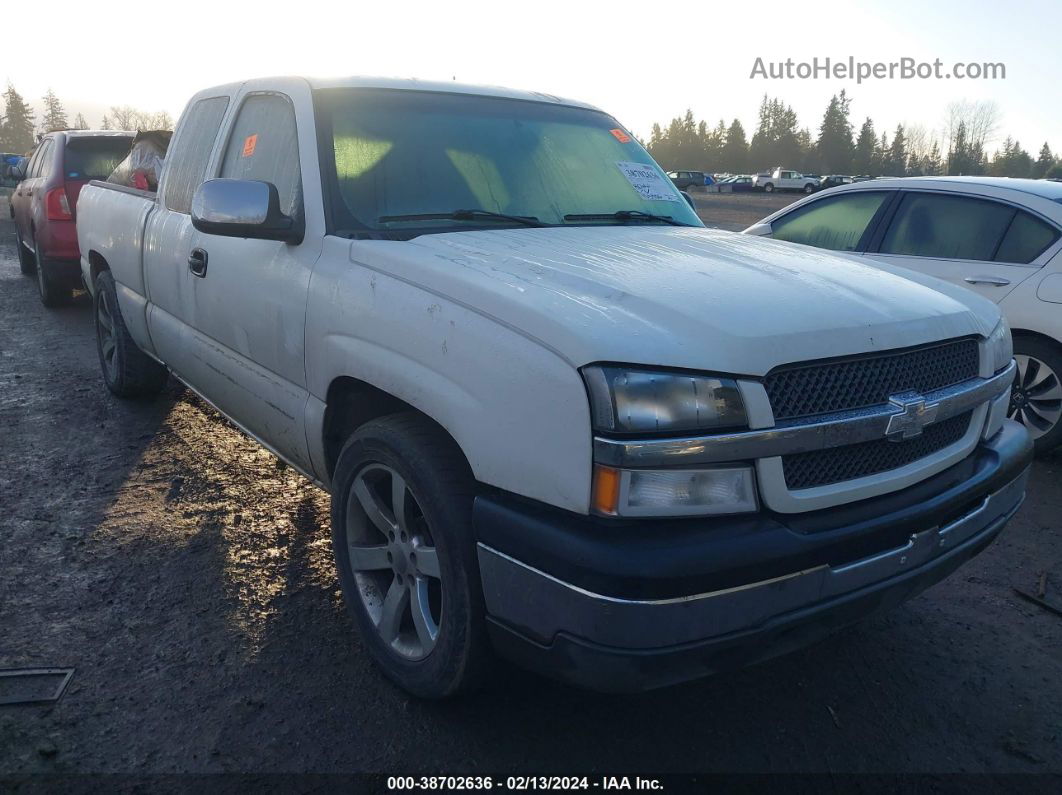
127,370
809,188
1036,399
768,188
406,556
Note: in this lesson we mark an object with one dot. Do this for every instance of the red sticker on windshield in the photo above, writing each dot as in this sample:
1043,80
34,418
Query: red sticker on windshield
249,143
621,136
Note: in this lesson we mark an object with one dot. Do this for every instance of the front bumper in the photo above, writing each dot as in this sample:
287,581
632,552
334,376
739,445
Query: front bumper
625,606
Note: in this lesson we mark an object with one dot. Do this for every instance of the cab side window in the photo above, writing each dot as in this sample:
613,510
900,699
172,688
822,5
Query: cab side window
837,223
947,227
264,145
190,153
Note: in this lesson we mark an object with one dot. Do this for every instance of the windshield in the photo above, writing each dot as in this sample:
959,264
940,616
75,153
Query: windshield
412,153
94,158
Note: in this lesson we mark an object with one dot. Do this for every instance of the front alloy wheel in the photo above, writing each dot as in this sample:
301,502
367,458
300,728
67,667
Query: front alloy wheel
394,562
402,497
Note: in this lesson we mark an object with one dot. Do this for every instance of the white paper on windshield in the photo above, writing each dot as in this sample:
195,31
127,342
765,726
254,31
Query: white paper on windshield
647,181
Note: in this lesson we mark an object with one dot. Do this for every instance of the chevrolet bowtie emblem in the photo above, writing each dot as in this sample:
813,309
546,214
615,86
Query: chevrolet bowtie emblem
913,417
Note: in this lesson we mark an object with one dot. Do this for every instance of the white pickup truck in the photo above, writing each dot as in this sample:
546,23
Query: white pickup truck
785,179
559,419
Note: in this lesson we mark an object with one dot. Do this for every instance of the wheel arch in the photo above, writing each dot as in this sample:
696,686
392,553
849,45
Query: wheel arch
97,265
350,403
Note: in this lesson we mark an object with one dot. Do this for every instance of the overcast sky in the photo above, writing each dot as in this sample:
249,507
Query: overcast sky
642,62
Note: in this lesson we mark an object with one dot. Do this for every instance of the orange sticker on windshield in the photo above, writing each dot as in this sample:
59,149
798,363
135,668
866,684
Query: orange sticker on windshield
621,136
249,143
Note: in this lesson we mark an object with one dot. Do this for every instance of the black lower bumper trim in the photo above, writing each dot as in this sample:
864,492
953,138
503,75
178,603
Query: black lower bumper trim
608,669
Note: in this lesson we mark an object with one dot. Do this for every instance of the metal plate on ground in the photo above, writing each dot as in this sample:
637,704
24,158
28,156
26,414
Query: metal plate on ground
33,685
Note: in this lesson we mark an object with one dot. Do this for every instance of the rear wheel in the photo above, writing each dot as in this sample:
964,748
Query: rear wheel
768,188
127,370
1036,399
402,536
52,294
26,262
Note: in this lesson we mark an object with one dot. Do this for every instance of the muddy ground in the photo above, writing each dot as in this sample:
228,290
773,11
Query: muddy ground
188,580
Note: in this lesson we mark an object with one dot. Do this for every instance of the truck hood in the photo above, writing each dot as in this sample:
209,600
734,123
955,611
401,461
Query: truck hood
681,297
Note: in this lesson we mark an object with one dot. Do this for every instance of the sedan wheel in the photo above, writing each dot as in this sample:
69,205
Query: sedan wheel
1036,399
394,562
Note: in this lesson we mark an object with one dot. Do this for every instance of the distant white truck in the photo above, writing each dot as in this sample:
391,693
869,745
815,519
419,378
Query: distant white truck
784,179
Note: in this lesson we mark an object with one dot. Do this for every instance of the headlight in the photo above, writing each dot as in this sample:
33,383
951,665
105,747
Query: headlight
631,400
1000,346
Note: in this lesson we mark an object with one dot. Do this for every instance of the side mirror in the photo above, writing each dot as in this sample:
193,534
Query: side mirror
688,198
761,229
243,208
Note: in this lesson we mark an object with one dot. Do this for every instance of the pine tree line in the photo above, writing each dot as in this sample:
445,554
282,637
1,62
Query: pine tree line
19,129
912,150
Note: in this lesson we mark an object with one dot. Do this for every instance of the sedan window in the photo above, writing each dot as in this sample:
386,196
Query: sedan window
947,227
836,223
1026,239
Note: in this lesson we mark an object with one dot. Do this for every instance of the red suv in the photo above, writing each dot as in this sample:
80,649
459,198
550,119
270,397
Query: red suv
44,203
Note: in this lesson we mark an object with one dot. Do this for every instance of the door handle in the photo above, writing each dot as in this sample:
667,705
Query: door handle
995,281
197,262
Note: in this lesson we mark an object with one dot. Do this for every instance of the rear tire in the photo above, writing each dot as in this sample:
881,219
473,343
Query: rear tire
1036,399
52,294
768,188
26,263
127,370
409,577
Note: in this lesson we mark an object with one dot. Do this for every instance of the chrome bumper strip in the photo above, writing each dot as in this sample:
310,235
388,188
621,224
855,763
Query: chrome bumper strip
796,436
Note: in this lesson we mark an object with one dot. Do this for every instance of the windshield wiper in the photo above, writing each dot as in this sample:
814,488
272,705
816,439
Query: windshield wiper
463,215
624,215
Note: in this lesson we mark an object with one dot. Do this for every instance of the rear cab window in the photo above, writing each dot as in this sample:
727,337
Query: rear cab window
837,223
189,154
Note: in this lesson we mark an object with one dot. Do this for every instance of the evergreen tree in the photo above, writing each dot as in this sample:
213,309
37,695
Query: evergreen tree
54,114
933,166
835,136
106,123
735,154
881,156
1044,162
863,157
80,123
16,128
895,164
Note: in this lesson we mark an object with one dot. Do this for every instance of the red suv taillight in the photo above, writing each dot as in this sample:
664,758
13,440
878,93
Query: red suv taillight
57,205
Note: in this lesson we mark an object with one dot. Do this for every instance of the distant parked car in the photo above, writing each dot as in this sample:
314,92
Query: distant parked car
687,179
833,180
999,237
740,184
44,204
784,179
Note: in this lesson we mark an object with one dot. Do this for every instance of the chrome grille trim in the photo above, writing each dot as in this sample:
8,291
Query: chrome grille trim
795,436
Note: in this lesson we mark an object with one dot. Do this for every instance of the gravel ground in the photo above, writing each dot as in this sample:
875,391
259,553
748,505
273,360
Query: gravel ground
188,579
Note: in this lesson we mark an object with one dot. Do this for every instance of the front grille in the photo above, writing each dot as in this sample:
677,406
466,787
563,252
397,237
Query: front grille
837,464
858,382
